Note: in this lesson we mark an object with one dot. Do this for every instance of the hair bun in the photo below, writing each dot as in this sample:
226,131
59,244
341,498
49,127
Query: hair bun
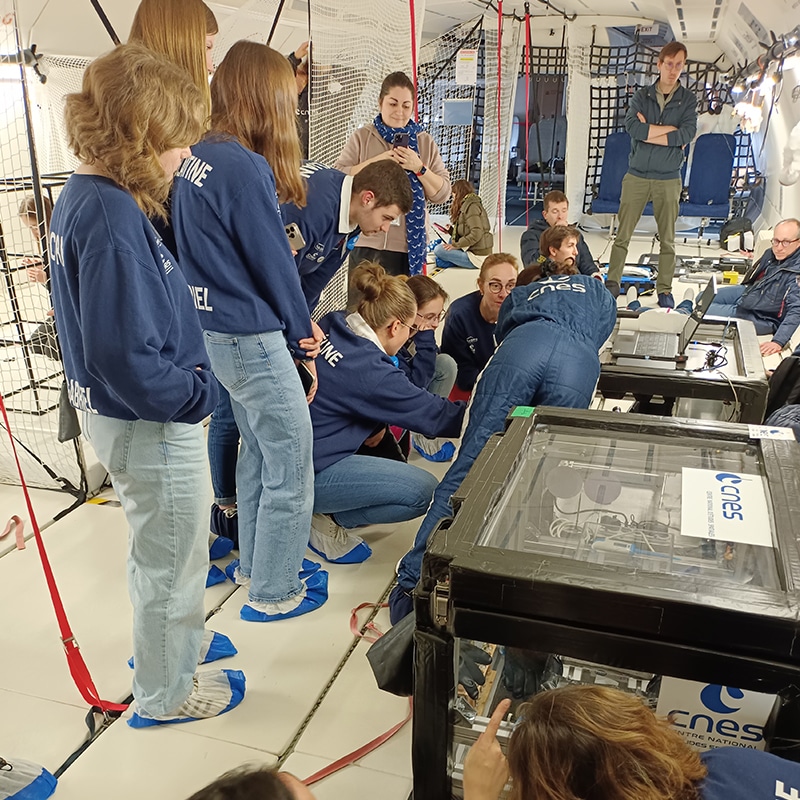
369,278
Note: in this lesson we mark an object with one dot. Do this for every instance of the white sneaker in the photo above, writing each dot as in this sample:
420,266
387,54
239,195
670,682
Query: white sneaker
334,543
688,294
631,295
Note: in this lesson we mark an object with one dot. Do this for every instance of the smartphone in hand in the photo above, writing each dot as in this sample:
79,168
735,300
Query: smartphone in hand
296,240
306,377
400,140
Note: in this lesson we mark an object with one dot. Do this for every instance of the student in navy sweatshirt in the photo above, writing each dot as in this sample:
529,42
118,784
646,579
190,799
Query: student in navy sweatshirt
136,366
468,334
361,388
234,250
338,207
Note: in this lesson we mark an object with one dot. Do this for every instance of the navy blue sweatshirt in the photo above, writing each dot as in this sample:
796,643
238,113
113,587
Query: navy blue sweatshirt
318,221
468,338
529,248
126,323
417,358
232,244
360,387
741,773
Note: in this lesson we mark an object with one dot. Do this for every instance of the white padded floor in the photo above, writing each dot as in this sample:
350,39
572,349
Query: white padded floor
288,664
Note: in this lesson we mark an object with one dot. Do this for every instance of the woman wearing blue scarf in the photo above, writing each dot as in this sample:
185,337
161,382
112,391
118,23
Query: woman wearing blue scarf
401,251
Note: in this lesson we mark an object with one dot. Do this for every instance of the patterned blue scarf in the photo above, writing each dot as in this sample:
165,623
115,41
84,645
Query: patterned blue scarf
416,234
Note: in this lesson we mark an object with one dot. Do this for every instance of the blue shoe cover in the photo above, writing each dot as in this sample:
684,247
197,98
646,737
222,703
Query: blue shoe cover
230,570
308,569
219,647
444,453
234,696
215,576
358,555
213,647
316,595
220,547
225,522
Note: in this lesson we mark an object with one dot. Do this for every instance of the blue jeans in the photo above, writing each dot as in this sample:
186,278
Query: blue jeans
363,490
444,375
223,450
274,473
726,304
454,257
684,307
160,475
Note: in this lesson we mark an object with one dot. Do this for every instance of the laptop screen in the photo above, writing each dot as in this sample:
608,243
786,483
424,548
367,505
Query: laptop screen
696,317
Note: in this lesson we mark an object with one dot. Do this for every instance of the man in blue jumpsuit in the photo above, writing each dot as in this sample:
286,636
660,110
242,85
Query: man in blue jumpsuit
549,334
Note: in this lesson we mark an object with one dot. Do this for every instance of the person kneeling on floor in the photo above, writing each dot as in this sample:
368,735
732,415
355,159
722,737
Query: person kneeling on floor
360,387
549,335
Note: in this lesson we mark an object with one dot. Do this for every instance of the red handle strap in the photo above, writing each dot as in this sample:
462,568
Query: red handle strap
355,755
77,666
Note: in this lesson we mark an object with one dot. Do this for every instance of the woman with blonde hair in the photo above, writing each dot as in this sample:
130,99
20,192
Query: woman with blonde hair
258,333
136,366
598,743
181,30
471,236
362,390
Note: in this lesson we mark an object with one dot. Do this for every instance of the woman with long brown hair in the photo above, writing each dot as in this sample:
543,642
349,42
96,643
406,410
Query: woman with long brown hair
598,743
471,237
136,366
234,250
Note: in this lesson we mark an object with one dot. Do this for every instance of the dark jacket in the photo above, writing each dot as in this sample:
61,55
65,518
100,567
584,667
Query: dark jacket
772,294
359,388
472,230
655,161
468,338
529,248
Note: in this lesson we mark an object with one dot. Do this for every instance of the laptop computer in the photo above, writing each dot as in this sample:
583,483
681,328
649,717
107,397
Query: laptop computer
664,345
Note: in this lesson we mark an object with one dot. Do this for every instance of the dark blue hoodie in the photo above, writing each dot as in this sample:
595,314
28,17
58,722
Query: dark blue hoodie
126,323
318,220
359,388
232,244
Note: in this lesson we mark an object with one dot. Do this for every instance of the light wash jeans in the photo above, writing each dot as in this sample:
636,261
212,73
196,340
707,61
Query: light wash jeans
223,450
160,474
364,490
444,375
274,473
455,257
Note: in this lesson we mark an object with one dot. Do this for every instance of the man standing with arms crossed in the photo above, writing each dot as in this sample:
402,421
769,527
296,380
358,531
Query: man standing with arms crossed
661,120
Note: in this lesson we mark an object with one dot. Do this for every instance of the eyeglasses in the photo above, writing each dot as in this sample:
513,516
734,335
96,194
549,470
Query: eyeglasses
783,242
412,328
431,318
495,287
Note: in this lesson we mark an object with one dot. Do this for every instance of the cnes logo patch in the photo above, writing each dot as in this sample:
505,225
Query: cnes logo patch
708,715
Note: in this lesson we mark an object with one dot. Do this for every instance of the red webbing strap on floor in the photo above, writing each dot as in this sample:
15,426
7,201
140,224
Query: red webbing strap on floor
501,173
355,755
77,666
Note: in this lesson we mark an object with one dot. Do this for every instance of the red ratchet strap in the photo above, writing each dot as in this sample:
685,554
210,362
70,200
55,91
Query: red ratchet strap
414,55
527,111
355,755
77,666
501,184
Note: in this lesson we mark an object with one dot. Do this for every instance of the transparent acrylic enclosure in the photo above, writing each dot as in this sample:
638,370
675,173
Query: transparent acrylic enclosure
610,499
